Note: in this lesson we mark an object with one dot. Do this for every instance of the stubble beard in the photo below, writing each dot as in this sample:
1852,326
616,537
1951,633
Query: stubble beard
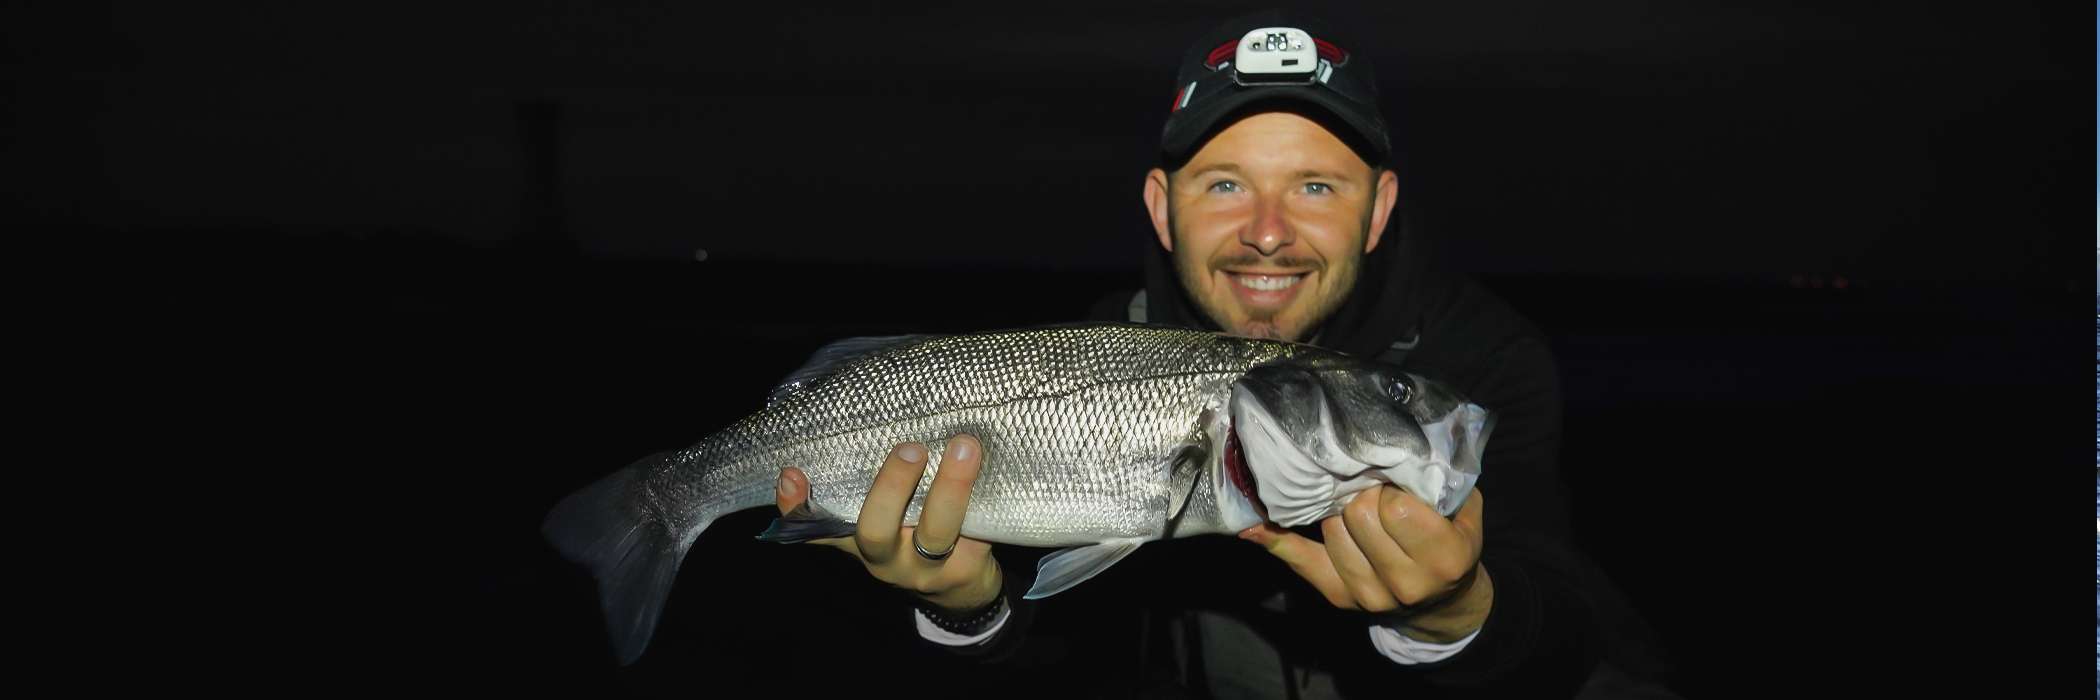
1264,323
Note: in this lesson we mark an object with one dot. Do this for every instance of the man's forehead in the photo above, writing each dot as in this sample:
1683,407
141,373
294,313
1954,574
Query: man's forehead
1267,139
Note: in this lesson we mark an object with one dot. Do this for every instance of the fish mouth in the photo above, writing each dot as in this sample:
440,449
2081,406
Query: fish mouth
1236,465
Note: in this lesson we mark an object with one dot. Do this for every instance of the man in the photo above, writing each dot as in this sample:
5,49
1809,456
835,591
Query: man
1272,210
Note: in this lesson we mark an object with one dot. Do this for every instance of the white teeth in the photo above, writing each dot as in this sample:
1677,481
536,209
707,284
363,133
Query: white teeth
1268,283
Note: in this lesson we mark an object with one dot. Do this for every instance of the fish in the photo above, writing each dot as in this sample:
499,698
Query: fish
1097,437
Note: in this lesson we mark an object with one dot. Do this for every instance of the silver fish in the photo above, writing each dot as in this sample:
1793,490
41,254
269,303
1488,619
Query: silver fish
1097,438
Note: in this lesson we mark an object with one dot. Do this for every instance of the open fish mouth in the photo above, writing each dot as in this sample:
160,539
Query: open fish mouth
1311,436
1236,470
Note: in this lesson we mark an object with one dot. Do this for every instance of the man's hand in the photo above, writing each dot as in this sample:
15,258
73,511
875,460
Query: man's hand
968,578
1388,552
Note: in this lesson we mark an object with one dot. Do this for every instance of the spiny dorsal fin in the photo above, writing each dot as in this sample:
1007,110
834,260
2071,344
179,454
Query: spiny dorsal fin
831,357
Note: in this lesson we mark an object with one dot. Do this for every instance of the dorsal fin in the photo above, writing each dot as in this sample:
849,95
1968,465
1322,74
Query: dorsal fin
831,357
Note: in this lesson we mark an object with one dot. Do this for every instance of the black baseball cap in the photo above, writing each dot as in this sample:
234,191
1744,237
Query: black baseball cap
1327,79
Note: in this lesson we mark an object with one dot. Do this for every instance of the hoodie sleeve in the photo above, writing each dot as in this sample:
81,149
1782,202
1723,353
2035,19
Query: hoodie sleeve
1005,641
1539,638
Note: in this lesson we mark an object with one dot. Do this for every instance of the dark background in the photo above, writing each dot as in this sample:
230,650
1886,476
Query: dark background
336,299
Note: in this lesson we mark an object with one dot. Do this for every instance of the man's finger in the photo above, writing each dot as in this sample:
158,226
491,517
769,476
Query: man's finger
1358,577
1304,556
1442,550
793,490
1467,520
1416,526
940,521
1389,562
882,514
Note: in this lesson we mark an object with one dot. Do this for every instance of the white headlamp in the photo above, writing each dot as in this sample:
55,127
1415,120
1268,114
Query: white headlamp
1276,56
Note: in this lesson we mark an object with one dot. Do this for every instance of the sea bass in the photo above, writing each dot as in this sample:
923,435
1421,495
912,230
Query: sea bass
1097,438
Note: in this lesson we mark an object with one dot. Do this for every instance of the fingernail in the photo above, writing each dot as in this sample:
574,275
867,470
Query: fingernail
785,487
911,453
961,449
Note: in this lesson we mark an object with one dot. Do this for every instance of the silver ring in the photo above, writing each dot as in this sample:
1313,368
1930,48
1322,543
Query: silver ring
932,556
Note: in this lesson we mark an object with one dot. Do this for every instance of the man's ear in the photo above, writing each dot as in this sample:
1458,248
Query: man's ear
1156,202
1382,208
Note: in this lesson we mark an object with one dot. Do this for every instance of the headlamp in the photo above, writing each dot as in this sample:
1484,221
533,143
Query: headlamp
1277,56
1291,57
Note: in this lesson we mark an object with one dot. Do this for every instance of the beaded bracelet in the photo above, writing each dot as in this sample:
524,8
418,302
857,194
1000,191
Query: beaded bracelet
970,626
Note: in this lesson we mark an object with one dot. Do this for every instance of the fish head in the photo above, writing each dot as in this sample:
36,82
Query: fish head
1315,431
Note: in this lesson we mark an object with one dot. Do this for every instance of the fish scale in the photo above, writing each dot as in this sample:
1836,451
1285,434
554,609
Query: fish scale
1096,437
1039,402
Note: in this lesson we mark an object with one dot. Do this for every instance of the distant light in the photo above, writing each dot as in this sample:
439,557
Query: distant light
700,254
1816,282
1839,283
1796,280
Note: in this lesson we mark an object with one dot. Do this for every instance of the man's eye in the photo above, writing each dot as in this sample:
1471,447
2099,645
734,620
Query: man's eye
1318,188
1225,186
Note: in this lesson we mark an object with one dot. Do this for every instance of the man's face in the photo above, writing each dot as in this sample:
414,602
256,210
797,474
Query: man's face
1269,222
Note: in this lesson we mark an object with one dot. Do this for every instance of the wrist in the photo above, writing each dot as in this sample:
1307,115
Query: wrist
968,623
966,600
1458,616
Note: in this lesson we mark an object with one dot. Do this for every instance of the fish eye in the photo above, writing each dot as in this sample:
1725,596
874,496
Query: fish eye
1400,391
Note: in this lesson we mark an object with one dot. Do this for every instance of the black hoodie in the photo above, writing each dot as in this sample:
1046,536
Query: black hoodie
1555,614
1540,638
1547,629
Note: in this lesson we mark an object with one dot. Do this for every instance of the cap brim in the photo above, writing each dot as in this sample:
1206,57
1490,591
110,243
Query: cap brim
1189,128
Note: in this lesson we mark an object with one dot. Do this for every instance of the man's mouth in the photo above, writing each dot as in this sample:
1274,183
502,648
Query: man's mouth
1266,283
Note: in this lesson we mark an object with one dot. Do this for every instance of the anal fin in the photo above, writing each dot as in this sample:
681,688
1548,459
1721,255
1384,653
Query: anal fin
808,521
1069,567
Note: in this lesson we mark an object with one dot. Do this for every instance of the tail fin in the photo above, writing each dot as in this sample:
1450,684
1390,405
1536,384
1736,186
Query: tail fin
605,527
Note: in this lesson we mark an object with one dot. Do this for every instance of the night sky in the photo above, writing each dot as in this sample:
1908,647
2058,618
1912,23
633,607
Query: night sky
334,300
1729,142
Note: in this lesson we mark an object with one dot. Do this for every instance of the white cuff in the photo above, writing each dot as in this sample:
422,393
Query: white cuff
933,633
1403,650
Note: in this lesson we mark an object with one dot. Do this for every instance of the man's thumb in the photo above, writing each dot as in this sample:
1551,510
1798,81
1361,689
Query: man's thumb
791,491
1280,542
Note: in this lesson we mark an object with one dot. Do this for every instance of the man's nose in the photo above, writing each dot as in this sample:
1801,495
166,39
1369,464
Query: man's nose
1268,232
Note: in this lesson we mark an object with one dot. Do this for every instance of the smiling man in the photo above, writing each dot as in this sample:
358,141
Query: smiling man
1275,214
1268,223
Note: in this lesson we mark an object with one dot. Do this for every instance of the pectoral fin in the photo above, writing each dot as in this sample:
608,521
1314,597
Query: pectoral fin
1068,567
1188,464
806,522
